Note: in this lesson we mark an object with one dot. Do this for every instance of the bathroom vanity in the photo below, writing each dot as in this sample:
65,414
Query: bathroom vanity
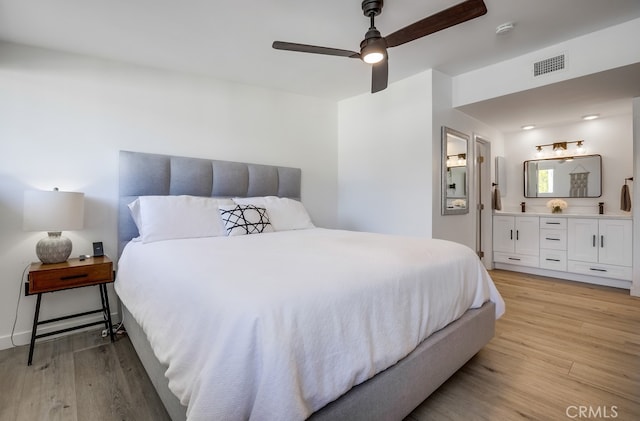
588,248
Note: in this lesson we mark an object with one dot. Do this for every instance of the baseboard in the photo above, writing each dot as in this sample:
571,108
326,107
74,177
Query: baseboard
24,337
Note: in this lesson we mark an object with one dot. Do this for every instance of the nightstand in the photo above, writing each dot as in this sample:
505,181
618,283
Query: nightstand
74,273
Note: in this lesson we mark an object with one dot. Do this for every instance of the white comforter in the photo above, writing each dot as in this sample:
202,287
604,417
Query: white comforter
275,326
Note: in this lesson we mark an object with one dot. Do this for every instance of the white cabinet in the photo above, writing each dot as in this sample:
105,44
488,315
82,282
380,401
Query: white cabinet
516,240
582,248
600,247
553,243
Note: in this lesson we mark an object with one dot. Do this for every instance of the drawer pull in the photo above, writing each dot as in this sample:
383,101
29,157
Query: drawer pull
553,260
552,223
552,239
66,278
514,258
598,270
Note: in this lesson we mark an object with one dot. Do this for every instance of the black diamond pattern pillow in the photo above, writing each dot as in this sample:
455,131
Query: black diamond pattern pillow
245,219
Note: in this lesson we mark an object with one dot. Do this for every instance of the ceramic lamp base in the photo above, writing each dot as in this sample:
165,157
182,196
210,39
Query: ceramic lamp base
54,249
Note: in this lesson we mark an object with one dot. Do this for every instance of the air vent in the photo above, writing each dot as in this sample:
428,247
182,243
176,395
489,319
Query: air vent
548,65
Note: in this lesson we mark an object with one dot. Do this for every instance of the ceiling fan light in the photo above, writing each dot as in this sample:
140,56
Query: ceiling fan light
372,48
373,57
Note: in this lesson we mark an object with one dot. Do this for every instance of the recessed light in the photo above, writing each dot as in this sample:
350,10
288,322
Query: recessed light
504,28
590,116
528,127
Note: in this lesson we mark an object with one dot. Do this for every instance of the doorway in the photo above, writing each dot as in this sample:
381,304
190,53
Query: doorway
482,184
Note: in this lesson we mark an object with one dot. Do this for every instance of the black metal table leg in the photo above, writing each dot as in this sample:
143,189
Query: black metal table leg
105,306
35,327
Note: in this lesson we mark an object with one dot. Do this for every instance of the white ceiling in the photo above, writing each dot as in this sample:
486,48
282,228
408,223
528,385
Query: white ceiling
231,40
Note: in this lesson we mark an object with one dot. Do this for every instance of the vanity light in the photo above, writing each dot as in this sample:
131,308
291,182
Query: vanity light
560,148
590,116
457,160
528,127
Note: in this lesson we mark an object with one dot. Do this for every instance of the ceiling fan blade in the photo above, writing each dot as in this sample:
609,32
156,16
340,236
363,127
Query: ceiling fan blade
379,76
304,48
454,15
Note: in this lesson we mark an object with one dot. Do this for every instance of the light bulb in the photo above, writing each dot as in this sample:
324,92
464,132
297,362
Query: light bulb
373,58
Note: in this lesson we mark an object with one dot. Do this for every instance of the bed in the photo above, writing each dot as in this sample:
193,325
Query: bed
271,339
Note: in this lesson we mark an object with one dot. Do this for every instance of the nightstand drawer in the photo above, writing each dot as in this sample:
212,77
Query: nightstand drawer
69,277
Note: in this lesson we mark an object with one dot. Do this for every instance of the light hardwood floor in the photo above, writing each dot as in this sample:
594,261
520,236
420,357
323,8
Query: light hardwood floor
561,348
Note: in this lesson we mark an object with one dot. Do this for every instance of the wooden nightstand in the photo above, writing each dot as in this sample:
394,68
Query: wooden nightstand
74,273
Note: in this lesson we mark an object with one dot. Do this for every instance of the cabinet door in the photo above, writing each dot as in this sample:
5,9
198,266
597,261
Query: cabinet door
504,234
527,235
615,242
582,240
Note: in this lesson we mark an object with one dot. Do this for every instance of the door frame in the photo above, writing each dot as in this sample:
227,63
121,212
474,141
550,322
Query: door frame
482,200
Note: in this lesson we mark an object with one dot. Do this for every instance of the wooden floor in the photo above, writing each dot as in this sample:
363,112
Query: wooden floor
563,349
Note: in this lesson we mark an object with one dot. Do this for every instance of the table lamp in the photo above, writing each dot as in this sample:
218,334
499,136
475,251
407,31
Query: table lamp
54,212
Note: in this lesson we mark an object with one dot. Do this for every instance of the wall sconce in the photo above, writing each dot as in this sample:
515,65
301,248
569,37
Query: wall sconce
457,160
560,148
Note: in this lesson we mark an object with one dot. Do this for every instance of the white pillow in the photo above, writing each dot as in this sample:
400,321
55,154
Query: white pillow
284,213
169,217
245,219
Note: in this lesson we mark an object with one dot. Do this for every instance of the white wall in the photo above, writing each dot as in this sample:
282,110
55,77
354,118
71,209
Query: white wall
459,228
611,137
595,52
64,117
384,164
635,198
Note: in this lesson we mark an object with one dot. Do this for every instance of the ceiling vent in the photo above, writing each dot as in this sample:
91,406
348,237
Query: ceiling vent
548,65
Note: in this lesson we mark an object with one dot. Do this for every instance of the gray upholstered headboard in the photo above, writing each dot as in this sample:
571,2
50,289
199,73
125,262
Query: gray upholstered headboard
143,174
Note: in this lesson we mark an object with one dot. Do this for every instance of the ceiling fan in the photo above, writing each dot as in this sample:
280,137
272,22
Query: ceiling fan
373,49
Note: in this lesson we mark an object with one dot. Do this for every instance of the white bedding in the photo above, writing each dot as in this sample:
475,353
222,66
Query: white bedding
275,326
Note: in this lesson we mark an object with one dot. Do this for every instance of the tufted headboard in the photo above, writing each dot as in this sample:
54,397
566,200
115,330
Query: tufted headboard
144,174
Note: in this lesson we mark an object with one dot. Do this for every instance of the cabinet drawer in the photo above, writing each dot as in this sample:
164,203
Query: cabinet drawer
554,223
69,277
553,259
516,259
597,269
555,239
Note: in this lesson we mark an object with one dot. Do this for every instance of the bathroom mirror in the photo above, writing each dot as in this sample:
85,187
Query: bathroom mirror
570,176
455,184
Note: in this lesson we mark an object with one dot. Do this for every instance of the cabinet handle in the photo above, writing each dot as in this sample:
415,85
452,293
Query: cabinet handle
598,270
552,239
513,258
66,278
593,242
553,260
552,223
602,241
511,235
517,234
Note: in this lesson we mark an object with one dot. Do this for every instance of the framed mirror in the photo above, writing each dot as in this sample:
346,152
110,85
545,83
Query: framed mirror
455,171
569,176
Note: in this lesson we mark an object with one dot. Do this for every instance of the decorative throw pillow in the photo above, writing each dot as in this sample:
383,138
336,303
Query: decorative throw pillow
245,219
284,213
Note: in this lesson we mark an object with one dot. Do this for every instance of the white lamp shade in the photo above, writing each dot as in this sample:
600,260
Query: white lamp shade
53,211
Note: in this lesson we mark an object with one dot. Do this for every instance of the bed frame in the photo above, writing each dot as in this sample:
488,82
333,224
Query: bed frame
391,394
